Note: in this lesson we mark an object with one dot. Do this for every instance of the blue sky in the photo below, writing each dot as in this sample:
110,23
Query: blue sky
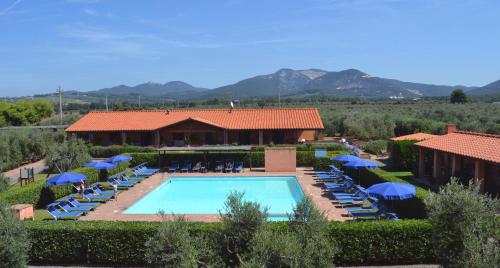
91,44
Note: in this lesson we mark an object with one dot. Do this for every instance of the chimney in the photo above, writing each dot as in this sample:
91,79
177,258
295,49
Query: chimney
451,128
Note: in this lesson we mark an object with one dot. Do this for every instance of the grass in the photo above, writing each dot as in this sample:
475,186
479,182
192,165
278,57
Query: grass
42,215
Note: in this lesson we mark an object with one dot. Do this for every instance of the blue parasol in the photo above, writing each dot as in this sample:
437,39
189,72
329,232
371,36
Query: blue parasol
119,158
345,158
392,191
100,165
360,163
66,178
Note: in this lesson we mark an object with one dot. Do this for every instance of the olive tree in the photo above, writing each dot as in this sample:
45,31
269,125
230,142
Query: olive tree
240,221
465,228
14,243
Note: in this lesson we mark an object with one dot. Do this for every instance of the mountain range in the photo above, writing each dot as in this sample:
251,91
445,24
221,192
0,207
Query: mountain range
298,83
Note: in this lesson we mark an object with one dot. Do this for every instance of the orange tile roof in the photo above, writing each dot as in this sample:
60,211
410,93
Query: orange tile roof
237,119
470,144
415,136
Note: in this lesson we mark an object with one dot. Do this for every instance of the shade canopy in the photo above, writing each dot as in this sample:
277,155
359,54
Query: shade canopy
119,159
345,158
66,178
99,165
392,191
360,163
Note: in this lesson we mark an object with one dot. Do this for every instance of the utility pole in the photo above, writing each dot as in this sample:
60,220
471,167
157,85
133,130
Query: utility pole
107,110
139,100
59,90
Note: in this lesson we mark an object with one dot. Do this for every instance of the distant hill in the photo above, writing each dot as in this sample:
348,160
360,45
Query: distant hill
288,83
347,83
150,89
489,89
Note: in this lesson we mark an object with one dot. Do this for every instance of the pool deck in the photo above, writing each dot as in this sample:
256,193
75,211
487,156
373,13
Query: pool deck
113,209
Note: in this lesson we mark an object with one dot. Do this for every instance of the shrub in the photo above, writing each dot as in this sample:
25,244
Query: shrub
271,248
310,226
460,217
15,244
67,155
172,246
377,147
4,183
404,155
240,221
25,145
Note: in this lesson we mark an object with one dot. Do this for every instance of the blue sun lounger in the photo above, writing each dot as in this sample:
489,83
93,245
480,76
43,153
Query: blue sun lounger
75,203
63,214
127,178
98,191
66,207
120,183
219,166
239,167
87,194
369,208
229,166
186,167
174,166
339,187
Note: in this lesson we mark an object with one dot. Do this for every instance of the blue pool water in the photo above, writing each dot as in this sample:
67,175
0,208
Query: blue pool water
206,195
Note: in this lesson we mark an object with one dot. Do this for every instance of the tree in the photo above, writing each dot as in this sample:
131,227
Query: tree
305,243
465,228
458,96
14,243
69,154
173,246
240,220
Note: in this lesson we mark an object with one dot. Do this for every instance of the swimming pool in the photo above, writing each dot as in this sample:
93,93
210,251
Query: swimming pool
206,195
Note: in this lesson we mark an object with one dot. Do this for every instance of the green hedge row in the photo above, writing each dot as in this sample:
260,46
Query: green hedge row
304,158
109,151
404,155
410,208
40,195
122,243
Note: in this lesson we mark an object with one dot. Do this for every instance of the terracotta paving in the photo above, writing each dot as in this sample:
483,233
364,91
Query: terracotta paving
113,210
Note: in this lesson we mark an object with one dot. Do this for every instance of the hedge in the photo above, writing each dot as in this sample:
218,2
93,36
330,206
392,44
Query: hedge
404,155
376,146
410,208
304,158
122,243
40,195
109,151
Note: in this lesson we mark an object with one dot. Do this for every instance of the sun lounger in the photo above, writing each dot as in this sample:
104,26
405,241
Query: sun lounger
339,187
229,166
87,194
219,166
63,214
174,166
66,207
75,203
186,167
134,179
372,206
239,167
198,167
96,190
120,183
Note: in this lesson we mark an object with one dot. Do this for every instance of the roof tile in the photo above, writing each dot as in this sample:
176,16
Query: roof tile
236,119
471,144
